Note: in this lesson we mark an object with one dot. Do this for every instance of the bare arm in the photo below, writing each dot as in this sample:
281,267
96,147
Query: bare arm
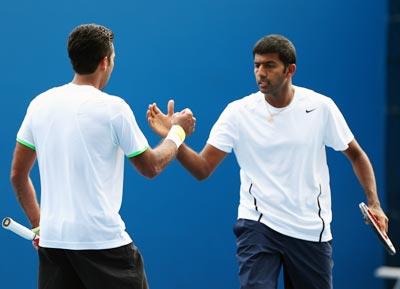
151,162
200,165
22,163
365,174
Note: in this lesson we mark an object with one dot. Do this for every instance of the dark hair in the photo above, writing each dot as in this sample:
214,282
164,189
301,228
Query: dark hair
88,44
276,44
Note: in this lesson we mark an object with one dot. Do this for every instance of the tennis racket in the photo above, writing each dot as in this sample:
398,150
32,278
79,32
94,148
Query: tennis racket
17,228
370,218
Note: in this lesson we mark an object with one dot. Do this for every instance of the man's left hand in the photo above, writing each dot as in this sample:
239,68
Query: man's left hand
380,216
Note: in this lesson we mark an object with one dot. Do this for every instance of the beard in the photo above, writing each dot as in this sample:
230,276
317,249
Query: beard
268,87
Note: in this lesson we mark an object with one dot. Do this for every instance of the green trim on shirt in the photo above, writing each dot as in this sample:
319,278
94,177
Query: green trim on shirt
31,146
137,152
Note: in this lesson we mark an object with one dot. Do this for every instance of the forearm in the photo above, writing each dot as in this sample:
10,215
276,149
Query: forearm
365,174
163,154
193,162
26,196
151,162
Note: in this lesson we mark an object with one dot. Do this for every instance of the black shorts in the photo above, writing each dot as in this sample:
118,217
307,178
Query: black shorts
119,268
261,252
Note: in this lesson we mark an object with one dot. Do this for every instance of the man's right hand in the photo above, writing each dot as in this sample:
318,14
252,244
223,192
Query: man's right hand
184,119
35,241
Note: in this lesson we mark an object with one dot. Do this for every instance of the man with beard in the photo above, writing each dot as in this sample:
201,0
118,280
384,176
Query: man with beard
279,135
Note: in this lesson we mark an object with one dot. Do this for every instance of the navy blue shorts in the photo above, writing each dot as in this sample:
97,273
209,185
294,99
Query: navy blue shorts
261,252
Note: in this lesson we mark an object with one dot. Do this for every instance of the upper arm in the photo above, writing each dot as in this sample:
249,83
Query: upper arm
337,133
225,132
126,132
23,160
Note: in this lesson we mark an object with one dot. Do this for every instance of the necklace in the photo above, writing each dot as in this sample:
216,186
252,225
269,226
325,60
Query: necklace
271,114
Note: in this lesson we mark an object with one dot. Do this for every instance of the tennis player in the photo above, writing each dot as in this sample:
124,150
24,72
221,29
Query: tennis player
80,135
279,135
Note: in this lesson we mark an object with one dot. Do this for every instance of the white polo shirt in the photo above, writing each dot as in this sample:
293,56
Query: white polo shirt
81,135
283,169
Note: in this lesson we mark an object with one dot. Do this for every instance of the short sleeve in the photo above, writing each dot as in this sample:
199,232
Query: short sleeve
337,132
25,133
224,133
127,132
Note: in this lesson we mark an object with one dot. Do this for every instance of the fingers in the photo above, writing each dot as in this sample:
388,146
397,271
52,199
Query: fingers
187,110
148,114
154,110
150,110
35,243
171,105
381,223
161,122
382,220
185,119
194,124
385,224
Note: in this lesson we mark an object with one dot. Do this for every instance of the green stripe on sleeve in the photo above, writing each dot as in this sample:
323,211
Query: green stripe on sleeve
31,146
137,152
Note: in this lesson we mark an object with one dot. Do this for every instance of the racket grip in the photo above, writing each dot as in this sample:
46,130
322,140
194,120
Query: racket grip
13,226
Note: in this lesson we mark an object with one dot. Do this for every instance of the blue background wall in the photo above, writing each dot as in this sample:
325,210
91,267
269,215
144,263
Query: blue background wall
199,53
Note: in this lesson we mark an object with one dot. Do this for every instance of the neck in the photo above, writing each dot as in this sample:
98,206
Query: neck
87,79
281,98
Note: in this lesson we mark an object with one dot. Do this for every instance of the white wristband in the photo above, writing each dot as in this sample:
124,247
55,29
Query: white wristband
176,134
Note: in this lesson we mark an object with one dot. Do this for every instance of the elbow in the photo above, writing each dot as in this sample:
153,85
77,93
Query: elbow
151,172
202,175
201,171
150,175
357,157
16,178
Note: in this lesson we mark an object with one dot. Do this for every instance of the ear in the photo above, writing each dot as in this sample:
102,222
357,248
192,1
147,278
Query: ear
103,65
291,69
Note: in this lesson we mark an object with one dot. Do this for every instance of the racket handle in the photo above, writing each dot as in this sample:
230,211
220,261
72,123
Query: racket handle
20,230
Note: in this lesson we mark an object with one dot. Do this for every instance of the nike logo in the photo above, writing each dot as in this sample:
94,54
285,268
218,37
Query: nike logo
308,111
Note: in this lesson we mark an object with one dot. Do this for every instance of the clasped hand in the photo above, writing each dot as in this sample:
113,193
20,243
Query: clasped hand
161,123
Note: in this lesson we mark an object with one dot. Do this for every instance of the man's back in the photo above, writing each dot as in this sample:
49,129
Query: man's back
80,136
78,132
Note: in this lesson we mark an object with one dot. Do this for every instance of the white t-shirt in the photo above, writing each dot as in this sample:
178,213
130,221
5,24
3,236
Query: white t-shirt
283,169
80,135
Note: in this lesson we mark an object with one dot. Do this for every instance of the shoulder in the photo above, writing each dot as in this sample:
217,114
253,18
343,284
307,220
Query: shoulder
112,99
43,97
311,98
248,102
116,104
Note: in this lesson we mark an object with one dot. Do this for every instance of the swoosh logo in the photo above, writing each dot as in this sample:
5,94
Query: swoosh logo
310,110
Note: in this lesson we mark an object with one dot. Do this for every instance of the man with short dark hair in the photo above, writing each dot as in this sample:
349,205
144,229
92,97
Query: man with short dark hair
80,135
279,135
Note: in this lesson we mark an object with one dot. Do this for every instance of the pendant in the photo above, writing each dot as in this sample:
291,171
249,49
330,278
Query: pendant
270,118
